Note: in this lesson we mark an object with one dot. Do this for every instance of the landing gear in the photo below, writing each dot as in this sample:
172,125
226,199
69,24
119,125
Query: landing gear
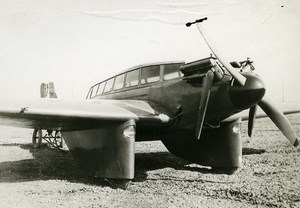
37,137
118,183
220,148
53,138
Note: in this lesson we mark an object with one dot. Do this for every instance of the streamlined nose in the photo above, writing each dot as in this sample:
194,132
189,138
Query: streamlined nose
243,97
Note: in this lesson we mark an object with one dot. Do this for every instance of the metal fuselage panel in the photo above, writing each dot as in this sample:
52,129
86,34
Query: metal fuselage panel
178,94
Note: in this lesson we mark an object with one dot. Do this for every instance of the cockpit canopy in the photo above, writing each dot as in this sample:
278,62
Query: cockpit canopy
137,76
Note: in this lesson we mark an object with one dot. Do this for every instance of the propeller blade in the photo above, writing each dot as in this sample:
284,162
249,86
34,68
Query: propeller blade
280,120
206,87
234,73
252,114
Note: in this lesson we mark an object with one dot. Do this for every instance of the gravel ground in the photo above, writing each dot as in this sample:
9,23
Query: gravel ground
49,177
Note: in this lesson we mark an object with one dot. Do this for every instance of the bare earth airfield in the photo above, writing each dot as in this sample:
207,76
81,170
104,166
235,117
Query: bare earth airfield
50,178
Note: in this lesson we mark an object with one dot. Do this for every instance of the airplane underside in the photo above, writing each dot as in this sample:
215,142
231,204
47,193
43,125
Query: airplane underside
103,152
106,153
219,148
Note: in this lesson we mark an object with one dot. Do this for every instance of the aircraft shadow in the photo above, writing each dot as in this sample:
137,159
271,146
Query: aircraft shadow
252,151
158,160
48,164
54,164
145,162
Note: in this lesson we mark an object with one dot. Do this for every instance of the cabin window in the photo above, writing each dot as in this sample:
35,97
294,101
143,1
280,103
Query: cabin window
119,82
150,74
109,85
100,88
89,93
94,90
132,78
172,71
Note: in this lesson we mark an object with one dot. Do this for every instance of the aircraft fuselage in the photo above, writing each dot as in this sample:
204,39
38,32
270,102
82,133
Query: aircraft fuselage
182,94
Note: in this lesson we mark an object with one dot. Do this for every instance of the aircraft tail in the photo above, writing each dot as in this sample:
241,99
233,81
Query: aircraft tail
48,90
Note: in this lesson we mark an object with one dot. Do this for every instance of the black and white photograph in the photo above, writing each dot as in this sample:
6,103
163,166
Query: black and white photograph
158,103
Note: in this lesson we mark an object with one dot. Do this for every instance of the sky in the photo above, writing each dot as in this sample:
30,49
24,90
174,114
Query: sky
77,43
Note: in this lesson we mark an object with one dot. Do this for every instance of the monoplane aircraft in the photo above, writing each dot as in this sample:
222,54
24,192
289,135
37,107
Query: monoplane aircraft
193,108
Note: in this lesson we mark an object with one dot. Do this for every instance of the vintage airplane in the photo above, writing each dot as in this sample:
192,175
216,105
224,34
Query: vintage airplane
191,107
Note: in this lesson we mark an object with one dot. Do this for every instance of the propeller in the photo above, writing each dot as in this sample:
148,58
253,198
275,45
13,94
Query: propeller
208,79
234,73
206,87
279,120
247,82
251,121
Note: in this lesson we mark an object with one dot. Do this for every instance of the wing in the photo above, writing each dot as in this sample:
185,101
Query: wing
59,114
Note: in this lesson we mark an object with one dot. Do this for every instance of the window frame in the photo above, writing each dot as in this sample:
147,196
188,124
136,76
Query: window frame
88,96
123,74
101,83
95,87
112,86
138,78
152,82
179,72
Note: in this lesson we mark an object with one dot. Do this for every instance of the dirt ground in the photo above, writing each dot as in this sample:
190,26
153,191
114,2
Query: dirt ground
50,178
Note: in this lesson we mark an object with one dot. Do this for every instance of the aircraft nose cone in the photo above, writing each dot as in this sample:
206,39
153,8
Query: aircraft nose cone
243,97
